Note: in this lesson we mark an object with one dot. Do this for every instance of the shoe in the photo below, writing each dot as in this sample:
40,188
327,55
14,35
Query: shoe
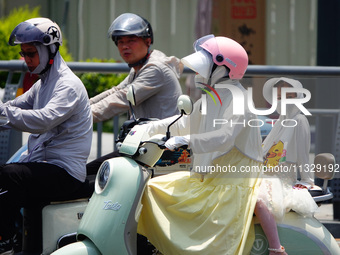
280,250
17,243
6,247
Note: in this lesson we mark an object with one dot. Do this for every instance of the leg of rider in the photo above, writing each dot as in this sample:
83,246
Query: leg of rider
268,224
93,166
24,184
7,205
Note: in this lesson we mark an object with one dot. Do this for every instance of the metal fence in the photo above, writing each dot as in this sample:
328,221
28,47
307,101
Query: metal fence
13,66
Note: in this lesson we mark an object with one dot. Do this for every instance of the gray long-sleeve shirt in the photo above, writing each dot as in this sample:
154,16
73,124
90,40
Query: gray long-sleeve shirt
156,89
57,112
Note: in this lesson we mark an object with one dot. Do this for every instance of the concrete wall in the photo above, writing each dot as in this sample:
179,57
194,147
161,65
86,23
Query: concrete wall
84,23
290,26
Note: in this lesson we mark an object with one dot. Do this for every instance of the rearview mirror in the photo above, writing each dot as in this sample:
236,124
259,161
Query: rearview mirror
130,95
184,104
325,162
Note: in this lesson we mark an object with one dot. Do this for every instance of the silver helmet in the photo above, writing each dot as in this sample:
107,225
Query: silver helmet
41,30
130,24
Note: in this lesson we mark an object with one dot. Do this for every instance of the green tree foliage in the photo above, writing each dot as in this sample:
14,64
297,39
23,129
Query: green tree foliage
7,24
96,83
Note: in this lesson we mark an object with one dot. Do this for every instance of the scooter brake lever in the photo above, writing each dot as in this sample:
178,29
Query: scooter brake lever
184,147
162,145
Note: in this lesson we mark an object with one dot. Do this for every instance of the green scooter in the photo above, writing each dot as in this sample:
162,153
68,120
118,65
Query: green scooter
109,223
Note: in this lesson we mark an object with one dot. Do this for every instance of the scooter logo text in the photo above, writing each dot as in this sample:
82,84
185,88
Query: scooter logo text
132,132
109,205
260,245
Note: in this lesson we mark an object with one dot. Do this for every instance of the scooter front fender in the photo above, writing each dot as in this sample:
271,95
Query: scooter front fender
85,247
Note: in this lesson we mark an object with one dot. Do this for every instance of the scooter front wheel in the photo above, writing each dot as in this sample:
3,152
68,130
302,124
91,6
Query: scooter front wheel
85,247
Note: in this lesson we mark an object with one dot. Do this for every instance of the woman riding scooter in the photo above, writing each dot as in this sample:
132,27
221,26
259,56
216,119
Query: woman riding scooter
186,213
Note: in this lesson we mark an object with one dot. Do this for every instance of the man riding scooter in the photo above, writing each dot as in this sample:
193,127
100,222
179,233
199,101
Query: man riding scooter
56,111
153,75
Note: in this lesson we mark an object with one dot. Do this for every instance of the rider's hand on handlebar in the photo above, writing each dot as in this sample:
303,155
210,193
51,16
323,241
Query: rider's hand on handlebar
177,141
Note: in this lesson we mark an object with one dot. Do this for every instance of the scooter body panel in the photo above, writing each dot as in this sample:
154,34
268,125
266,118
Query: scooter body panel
110,219
85,247
60,219
299,235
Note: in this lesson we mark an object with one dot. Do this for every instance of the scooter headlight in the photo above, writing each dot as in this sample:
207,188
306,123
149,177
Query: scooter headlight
103,175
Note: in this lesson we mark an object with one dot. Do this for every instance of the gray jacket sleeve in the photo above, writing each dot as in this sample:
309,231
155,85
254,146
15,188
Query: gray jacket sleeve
58,109
113,102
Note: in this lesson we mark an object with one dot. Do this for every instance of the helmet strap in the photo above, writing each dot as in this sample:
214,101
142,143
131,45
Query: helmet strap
142,61
50,59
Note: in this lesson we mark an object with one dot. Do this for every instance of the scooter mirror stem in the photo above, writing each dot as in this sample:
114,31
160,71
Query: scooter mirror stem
132,112
130,96
168,130
185,106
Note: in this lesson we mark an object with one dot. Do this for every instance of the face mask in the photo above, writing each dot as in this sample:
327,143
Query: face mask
43,58
291,109
200,80
278,107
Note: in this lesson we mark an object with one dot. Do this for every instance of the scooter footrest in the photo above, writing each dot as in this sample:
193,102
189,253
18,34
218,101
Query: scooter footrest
67,239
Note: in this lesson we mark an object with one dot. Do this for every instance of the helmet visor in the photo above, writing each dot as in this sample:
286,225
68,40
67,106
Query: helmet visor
200,62
25,32
209,42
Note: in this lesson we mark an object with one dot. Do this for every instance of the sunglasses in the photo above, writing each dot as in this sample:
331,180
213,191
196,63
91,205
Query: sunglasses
28,54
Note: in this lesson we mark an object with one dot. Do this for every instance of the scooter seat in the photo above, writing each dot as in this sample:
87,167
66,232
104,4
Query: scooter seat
85,191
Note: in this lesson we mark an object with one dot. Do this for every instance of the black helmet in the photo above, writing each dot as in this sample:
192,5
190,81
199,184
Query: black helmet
130,24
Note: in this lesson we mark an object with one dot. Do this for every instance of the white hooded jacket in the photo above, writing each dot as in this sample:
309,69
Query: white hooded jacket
296,139
209,141
57,113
